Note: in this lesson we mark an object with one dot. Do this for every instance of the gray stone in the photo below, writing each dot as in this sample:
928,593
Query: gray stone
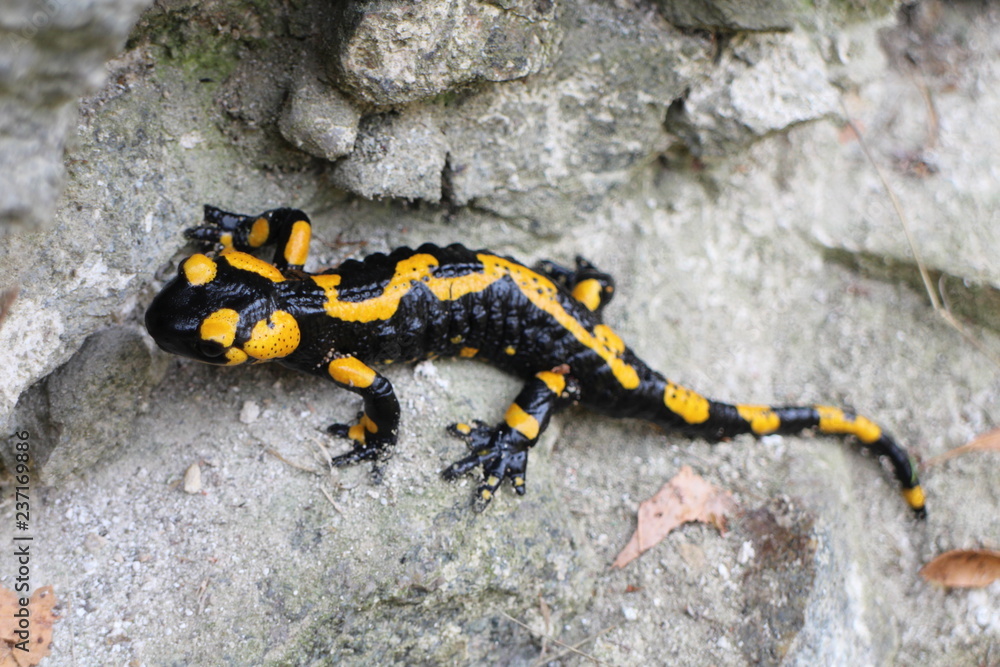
734,15
50,54
396,155
319,119
84,411
391,52
764,84
536,148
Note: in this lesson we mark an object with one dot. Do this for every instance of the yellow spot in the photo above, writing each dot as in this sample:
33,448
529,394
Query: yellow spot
357,433
369,425
510,350
468,352
352,372
235,356
521,421
275,337
455,340
199,269
835,420
259,232
419,269
762,418
518,481
492,480
220,327
245,262
486,494
555,382
689,406
226,239
464,429
297,247
588,292
914,497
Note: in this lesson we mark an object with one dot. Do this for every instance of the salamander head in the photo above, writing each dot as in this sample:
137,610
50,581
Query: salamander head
223,311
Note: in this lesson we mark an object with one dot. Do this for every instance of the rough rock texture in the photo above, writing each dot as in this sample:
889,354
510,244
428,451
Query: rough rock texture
50,54
398,155
319,119
757,258
393,52
766,84
734,15
109,380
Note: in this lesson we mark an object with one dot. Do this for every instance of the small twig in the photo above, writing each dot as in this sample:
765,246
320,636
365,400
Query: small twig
989,441
281,458
569,648
202,595
925,275
332,501
933,124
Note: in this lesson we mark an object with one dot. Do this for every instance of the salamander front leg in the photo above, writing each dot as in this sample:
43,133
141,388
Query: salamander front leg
374,433
589,285
287,228
502,451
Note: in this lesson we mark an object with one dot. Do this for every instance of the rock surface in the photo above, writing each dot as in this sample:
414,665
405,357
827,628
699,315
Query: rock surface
392,53
757,256
51,53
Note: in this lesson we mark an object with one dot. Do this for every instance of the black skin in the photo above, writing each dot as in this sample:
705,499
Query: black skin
542,324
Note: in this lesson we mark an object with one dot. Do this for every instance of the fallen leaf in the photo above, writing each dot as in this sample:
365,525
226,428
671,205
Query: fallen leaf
963,568
686,497
41,616
987,442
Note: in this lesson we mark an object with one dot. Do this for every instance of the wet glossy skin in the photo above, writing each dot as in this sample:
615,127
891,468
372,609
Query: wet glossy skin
543,324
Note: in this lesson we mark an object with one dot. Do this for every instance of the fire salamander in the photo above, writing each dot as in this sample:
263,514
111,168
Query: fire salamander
542,324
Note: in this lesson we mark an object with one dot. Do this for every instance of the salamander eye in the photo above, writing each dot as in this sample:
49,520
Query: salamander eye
210,348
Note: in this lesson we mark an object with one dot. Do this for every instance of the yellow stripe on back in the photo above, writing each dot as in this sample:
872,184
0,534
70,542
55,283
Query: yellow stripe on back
419,269
245,262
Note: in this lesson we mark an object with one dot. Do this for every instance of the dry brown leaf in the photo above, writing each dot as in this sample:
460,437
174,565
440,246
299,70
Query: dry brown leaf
963,568
7,655
686,497
987,442
8,624
41,617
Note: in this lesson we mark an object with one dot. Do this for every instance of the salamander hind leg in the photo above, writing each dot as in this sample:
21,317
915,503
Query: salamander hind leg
502,451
